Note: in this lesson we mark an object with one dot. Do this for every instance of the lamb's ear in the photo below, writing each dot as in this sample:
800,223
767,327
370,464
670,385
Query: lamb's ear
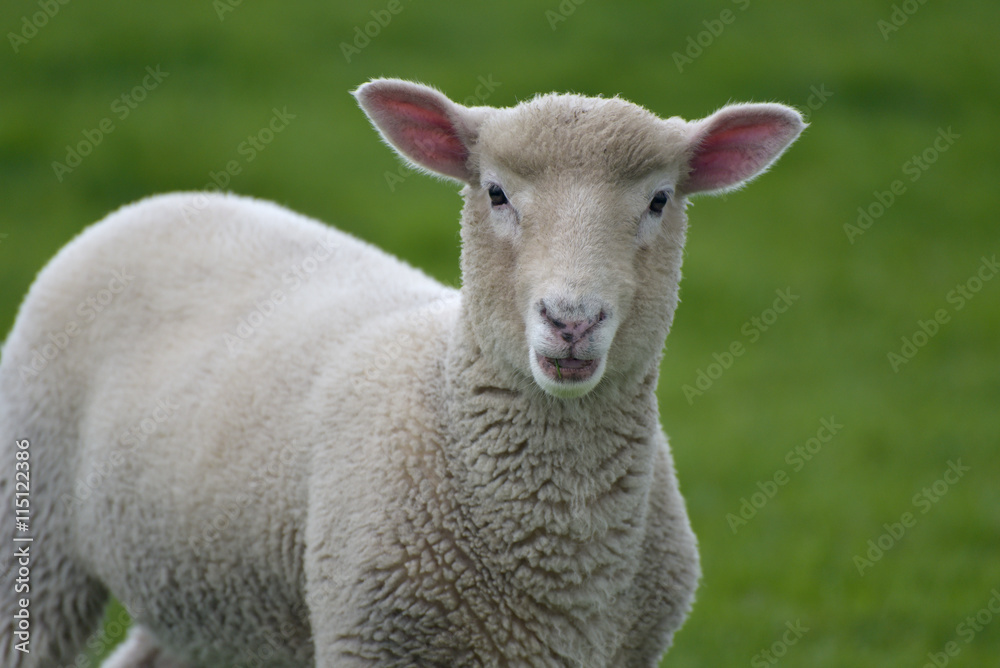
422,125
737,143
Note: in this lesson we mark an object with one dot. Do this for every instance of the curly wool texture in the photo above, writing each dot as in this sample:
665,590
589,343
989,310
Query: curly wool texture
279,446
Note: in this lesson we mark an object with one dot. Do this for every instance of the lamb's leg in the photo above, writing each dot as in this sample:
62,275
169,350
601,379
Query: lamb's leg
65,607
141,650
49,604
668,575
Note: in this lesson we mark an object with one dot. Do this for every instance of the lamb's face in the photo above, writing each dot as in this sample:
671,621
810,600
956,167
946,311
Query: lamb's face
574,216
581,229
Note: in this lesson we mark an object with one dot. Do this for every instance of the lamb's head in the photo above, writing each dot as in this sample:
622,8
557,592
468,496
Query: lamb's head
574,220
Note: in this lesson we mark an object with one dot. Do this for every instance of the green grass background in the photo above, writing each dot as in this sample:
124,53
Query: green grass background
826,356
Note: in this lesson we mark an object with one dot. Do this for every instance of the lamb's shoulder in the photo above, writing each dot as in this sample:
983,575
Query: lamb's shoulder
383,561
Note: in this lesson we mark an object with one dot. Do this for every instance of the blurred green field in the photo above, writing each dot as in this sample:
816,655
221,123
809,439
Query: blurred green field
913,101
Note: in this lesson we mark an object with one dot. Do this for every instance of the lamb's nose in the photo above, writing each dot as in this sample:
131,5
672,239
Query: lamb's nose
570,329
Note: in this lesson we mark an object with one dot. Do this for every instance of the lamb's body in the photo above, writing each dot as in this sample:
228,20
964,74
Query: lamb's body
278,445
239,434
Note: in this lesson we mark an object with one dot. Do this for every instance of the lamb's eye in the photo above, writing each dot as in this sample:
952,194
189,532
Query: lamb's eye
658,202
497,195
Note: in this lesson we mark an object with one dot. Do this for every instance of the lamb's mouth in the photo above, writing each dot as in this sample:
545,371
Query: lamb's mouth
567,369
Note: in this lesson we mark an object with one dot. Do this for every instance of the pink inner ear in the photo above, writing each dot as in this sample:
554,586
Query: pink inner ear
415,113
737,149
715,169
426,135
729,156
744,134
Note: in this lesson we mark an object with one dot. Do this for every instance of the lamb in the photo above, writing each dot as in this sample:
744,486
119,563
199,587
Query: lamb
279,446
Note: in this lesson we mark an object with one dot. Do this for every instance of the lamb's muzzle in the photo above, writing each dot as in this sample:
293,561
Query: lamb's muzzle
569,341
569,346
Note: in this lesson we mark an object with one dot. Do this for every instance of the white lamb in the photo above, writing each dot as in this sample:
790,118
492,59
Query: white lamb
279,446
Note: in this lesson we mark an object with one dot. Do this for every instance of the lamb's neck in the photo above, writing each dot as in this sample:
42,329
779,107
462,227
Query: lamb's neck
555,488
